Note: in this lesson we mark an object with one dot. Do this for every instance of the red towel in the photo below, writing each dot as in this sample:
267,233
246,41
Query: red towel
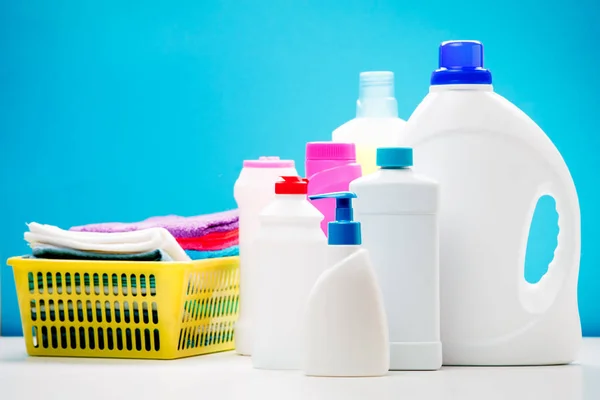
211,242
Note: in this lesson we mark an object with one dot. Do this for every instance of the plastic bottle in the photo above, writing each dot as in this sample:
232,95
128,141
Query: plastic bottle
291,248
376,123
253,190
330,167
346,326
493,163
398,212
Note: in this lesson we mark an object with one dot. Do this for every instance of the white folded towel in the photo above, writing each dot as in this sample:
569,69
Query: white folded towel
119,243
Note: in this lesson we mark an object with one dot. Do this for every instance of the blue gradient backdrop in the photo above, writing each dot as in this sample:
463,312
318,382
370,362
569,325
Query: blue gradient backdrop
119,110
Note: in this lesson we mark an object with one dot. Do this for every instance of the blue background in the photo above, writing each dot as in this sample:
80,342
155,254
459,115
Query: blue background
119,110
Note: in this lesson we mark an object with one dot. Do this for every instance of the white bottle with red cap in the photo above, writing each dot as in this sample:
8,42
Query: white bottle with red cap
253,190
291,250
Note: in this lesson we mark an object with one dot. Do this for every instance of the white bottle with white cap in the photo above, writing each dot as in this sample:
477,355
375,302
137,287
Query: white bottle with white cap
376,123
398,212
253,190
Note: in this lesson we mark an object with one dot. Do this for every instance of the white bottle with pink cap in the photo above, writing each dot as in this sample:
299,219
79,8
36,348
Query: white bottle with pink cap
253,190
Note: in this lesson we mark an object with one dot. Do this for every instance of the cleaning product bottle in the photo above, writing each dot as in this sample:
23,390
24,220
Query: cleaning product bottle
398,212
346,326
330,167
493,163
376,123
253,190
291,253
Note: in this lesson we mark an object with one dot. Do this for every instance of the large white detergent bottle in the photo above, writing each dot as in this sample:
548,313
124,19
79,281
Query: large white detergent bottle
291,249
493,163
376,123
253,190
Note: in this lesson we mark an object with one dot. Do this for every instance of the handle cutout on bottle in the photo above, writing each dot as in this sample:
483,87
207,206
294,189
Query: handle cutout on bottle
542,239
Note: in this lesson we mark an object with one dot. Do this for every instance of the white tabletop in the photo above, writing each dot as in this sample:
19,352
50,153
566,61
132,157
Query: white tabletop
228,376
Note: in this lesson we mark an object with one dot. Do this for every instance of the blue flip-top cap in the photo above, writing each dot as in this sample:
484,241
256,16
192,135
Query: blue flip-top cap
344,230
461,62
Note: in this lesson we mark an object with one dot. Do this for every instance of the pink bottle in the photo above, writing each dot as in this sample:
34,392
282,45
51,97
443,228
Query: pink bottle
330,167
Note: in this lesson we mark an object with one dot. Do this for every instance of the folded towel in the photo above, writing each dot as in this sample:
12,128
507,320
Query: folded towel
180,227
117,243
61,253
211,242
201,255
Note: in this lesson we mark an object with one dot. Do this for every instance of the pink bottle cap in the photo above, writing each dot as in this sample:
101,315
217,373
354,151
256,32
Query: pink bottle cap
330,151
268,162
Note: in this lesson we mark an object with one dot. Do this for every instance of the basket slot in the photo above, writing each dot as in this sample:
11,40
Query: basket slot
81,337
138,340
136,313
51,310
133,285
124,284
115,284
128,339
89,311
40,282
68,282
54,337
100,338
98,311
63,337
96,284
61,310
117,312
145,313
59,287
105,284
49,283
107,311
152,285
126,312
86,282
42,310
70,310
109,339
156,340
92,339
119,339
147,340
34,336
30,282
77,279
73,337
33,310
154,313
143,289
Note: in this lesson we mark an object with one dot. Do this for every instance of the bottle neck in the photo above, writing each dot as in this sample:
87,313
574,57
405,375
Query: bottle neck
386,107
463,87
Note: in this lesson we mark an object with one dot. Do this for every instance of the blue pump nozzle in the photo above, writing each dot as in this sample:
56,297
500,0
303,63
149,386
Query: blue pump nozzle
344,230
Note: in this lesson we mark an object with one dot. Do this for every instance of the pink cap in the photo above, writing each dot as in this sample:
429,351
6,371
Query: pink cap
330,151
268,162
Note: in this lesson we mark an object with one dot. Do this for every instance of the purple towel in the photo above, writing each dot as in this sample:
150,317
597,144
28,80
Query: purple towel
180,227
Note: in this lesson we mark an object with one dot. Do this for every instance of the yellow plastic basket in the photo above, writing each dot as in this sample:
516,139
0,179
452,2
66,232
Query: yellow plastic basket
156,310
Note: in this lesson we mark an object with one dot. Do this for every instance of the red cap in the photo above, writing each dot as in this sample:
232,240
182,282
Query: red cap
291,185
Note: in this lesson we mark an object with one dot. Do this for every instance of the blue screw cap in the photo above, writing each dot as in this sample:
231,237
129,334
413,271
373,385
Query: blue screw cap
344,230
394,157
461,62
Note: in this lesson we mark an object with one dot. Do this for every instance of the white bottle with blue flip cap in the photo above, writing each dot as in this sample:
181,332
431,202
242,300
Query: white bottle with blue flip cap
346,326
493,163
398,212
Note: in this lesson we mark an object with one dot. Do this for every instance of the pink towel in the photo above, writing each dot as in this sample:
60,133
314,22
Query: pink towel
180,227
